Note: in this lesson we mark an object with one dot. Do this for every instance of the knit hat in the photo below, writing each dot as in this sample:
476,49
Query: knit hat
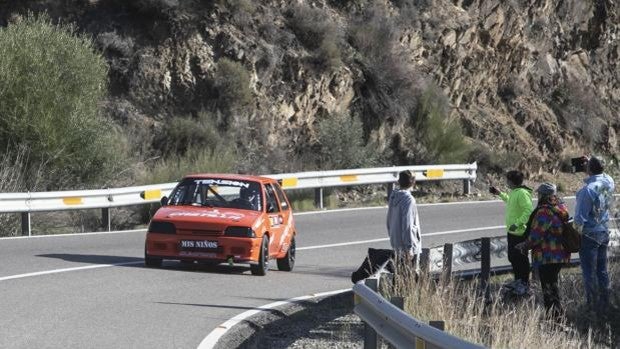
547,189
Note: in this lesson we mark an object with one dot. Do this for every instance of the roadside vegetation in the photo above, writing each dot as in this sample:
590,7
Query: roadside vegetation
504,323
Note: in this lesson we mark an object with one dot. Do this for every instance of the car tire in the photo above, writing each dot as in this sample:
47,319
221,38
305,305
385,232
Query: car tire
287,262
261,268
151,262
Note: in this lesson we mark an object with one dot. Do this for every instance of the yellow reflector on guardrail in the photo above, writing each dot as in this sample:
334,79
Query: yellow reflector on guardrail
72,201
437,173
350,178
152,194
289,182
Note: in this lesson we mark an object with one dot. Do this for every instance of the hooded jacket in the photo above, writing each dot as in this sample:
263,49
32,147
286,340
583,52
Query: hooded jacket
518,208
403,223
593,203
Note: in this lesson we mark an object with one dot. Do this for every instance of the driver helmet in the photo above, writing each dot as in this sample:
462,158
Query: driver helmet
250,194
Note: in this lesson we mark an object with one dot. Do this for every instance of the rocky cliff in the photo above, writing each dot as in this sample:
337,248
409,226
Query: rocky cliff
531,82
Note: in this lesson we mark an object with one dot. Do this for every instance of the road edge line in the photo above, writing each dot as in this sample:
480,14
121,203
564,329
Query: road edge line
214,336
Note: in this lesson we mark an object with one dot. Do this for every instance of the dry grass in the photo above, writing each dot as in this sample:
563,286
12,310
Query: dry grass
507,323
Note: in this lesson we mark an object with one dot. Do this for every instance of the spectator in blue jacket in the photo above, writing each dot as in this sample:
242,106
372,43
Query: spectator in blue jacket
594,201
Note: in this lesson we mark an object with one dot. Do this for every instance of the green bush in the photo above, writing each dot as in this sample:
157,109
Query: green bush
341,141
51,81
183,133
232,82
441,136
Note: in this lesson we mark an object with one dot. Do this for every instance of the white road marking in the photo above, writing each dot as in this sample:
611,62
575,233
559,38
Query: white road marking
361,242
211,339
73,234
64,270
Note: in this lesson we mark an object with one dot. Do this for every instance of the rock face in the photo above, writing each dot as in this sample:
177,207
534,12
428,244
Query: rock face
536,78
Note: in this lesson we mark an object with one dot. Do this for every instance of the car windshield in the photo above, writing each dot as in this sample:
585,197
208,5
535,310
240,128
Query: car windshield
217,192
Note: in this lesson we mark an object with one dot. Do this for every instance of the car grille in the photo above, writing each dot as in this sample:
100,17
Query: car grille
203,232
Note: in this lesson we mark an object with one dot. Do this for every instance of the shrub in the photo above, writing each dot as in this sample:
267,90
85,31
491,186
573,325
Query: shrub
317,32
441,135
183,133
232,82
11,181
51,81
389,77
341,141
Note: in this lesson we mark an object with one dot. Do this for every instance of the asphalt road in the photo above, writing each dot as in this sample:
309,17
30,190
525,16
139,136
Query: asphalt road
49,300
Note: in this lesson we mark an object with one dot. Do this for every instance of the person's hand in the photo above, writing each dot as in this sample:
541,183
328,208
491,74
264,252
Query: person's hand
493,190
522,247
513,227
578,228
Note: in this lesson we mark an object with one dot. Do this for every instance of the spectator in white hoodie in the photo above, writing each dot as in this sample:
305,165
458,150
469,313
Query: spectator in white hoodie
403,222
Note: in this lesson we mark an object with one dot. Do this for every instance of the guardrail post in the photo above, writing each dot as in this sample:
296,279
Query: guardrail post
371,339
398,302
425,261
466,186
26,224
318,198
485,266
440,325
390,189
105,219
447,262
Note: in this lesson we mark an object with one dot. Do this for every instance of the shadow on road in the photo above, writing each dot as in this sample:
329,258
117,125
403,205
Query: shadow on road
167,265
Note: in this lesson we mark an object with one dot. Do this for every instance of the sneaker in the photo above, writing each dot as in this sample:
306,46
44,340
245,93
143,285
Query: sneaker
520,288
511,285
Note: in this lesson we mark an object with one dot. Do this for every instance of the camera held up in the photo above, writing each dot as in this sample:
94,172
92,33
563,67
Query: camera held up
579,164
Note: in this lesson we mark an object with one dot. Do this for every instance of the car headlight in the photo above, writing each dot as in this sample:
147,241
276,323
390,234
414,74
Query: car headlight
162,228
240,232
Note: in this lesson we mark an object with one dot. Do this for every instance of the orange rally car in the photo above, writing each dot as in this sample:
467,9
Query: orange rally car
224,218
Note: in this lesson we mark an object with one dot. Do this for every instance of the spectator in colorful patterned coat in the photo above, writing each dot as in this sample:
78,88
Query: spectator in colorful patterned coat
545,241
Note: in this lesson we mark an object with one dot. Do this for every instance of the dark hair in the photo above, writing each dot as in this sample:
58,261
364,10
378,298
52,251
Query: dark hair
595,165
515,177
405,179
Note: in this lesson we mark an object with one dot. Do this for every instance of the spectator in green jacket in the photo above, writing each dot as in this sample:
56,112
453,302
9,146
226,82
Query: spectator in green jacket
518,209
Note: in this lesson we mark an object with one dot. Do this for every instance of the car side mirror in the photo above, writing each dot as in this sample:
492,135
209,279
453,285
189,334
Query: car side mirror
164,201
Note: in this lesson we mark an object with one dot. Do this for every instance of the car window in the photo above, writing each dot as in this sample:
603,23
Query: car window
282,198
272,203
216,192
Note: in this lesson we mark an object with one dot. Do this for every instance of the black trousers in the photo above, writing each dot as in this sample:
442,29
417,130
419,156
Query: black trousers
519,261
549,274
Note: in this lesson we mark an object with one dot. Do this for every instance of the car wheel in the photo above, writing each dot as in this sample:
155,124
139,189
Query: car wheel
287,262
263,259
151,262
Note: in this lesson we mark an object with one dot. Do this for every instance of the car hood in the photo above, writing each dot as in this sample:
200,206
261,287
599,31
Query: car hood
223,217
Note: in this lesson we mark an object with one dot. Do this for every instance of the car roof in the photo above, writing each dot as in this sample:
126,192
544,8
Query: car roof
231,176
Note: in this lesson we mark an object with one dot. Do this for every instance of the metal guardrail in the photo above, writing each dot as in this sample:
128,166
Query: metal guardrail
398,327
26,203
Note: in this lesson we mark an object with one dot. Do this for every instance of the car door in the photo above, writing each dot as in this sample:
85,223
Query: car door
276,219
287,217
